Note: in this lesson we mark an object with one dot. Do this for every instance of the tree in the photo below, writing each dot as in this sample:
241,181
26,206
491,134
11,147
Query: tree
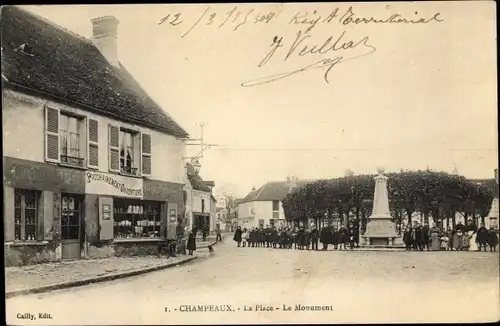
436,194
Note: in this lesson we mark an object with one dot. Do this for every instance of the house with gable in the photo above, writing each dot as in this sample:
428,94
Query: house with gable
91,161
263,206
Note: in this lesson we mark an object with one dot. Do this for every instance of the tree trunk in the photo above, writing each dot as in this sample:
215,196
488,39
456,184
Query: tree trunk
453,218
409,213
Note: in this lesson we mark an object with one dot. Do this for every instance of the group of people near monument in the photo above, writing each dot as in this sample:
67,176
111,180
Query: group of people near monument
301,238
422,237
417,237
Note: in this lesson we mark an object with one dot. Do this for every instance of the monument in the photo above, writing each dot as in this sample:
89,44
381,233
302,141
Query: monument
380,230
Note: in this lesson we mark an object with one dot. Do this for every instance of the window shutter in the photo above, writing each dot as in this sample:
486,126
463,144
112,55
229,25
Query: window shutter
146,154
93,143
114,148
8,213
52,144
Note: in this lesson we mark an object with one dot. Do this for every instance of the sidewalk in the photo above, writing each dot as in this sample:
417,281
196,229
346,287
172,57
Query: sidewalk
52,276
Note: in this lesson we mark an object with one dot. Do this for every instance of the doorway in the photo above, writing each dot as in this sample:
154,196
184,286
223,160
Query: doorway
71,226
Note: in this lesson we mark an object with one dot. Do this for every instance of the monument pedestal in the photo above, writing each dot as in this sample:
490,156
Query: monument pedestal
380,230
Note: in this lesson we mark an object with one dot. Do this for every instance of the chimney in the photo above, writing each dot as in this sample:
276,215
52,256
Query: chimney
105,37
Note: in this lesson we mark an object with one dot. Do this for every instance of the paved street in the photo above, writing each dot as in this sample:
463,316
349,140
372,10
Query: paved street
360,286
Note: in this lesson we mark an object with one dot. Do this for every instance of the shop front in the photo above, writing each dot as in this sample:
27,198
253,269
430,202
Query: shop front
43,211
131,215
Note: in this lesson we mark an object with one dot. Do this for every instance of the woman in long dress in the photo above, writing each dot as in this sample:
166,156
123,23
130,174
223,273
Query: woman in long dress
435,243
191,243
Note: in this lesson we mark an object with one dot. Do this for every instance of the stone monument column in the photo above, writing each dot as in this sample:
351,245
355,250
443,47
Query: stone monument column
380,230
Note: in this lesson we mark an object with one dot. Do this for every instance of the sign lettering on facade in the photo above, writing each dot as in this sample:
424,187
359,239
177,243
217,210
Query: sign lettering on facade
112,185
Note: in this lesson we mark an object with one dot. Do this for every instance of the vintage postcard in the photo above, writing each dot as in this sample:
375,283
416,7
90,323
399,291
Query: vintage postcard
258,163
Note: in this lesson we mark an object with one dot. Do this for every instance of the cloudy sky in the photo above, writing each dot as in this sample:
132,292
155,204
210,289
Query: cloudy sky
425,96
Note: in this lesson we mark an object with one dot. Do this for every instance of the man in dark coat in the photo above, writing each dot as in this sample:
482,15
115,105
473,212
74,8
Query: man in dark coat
493,239
191,243
251,238
482,237
351,234
314,237
335,239
307,238
419,235
237,236
324,237
407,238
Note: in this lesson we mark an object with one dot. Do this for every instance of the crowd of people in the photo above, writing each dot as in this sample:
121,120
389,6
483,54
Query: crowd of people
418,237
421,237
301,238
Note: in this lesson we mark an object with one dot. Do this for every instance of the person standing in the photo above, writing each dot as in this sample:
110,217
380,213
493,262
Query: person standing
314,237
434,238
191,243
407,238
204,232
307,238
351,234
482,237
237,236
219,234
426,235
493,239
244,237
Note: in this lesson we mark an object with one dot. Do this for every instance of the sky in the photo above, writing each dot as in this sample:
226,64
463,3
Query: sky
424,98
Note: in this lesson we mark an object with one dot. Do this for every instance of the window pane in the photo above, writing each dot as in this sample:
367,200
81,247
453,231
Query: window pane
74,232
17,215
30,199
30,216
65,232
64,220
17,232
74,219
17,199
30,232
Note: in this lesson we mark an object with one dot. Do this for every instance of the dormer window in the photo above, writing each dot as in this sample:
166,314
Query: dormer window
26,49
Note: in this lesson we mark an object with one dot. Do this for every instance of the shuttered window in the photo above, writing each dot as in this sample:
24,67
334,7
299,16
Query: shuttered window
52,149
114,148
93,132
146,154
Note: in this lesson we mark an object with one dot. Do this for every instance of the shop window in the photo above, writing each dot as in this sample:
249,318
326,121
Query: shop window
70,218
25,215
70,139
136,219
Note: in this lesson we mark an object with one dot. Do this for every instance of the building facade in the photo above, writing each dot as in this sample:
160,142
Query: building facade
85,148
200,204
263,206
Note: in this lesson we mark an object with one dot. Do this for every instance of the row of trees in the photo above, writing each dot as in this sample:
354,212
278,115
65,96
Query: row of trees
428,193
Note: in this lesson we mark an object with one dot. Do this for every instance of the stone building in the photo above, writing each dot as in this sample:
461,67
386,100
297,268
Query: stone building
92,165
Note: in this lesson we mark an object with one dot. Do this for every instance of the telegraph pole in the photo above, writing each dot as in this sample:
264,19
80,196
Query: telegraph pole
203,147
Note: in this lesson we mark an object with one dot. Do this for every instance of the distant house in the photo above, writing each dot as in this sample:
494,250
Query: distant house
200,202
263,206
89,157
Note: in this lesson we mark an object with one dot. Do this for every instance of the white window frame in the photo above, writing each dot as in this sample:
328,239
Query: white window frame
82,125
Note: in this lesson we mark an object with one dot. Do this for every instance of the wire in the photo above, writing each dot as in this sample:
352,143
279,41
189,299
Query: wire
354,149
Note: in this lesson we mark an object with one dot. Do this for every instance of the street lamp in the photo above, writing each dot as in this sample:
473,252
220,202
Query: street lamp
196,165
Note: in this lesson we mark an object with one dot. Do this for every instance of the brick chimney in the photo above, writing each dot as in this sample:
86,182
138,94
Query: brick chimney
105,37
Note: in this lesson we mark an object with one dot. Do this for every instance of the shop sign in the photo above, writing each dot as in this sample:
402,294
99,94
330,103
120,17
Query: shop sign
112,185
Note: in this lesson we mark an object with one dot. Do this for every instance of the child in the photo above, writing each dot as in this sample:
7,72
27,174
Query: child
492,240
244,237
466,241
444,241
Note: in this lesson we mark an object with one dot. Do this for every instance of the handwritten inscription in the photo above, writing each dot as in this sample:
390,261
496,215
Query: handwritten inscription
326,54
236,18
300,48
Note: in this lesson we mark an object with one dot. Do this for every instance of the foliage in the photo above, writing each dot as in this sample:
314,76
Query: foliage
436,194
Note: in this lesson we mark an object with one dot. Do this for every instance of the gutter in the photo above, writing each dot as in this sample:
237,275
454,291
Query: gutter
92,109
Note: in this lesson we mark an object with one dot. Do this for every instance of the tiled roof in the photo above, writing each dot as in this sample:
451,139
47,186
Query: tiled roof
69,68
274,190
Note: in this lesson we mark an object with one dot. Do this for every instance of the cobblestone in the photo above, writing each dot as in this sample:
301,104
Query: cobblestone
33,276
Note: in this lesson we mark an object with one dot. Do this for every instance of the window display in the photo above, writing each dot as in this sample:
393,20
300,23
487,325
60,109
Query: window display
136,219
